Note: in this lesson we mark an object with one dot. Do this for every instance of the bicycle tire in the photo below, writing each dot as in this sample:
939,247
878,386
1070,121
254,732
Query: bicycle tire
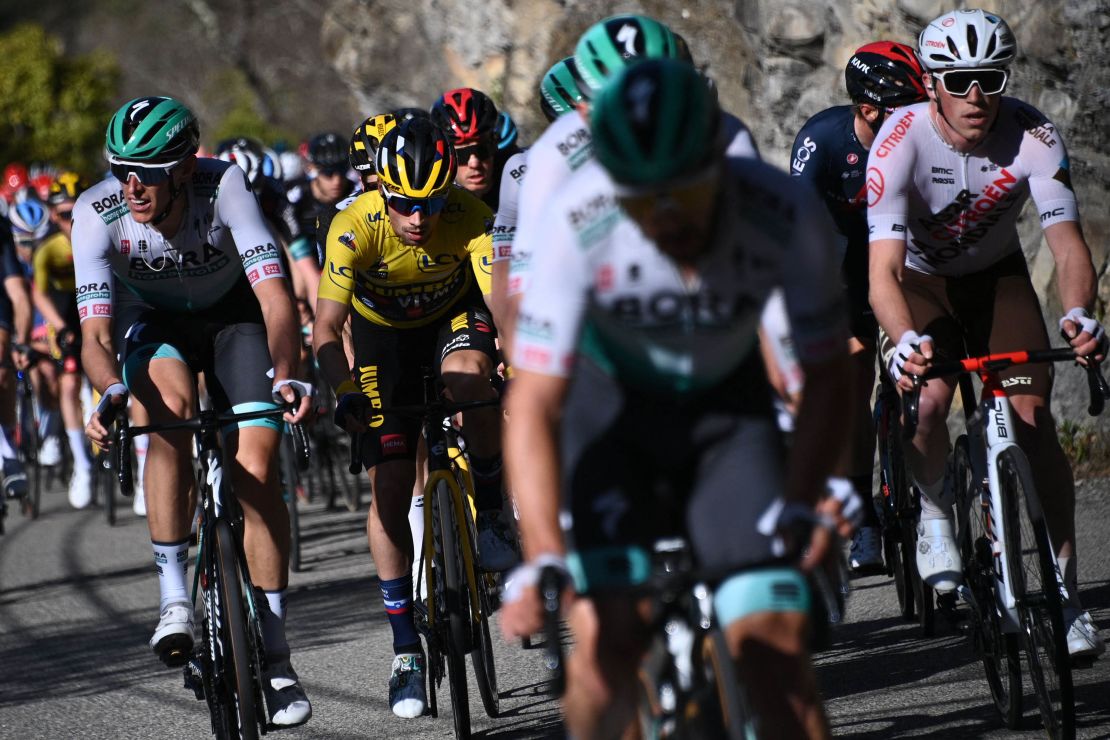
1033,577
238,669
997,651
28,443
895,504
925,600
104,485
289,478
456,609
485,666
733,710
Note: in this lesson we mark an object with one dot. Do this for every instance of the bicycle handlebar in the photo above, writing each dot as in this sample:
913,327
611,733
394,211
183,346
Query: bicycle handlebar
125,432
1096,383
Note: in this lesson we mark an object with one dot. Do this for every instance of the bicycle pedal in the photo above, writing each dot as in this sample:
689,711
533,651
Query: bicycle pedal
194,679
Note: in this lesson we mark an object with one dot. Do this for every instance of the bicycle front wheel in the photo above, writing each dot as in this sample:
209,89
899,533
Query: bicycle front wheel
457,608
732,711
485,668
997,650
239,684
1033,576
898,542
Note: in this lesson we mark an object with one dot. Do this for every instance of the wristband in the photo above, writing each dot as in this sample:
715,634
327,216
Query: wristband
115,389
527,575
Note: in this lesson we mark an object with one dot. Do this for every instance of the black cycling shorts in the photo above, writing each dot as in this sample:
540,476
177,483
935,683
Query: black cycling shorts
637,468
227,342
389,367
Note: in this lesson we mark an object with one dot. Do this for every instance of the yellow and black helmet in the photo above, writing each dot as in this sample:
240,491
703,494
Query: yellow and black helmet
365,140
416,160
66,187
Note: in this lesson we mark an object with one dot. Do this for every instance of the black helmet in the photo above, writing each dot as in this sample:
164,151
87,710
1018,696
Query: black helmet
328,151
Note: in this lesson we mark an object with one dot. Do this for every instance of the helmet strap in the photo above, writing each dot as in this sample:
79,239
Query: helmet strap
175,190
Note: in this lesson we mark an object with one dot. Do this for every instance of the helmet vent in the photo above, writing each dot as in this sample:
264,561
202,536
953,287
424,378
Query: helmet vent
972,41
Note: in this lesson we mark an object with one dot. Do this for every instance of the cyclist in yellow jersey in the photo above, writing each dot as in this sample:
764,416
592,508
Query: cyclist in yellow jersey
413,257
53,291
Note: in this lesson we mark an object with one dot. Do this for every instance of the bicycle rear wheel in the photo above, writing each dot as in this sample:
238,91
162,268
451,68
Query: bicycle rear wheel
1033,576
239,681
457,608
997,650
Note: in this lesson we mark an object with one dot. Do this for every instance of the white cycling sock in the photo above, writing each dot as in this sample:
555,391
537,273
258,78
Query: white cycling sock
1070,571
7,449
78,450
49,421
171,560
416,524
273,623
933,505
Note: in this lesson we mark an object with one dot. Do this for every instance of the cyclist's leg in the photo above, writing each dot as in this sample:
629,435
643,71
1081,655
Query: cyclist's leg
468,355
763,613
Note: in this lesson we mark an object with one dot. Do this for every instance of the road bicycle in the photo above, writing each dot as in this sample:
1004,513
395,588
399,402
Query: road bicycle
454,598
28,439
225,667
1012,581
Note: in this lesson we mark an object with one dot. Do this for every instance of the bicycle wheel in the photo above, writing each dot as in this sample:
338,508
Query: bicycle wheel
485,668
28,444
895,504
289,478
997,650
730,716
1033,576
457,609
239,684
102,472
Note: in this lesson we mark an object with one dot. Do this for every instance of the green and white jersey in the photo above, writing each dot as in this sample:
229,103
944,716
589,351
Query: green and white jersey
600,287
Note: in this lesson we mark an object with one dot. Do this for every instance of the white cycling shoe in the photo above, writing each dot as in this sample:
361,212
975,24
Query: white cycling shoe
938,558
1083,638
286,700
173,637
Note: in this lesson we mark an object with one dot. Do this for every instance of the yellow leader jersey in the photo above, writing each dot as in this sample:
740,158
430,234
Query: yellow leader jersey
53,265
393,284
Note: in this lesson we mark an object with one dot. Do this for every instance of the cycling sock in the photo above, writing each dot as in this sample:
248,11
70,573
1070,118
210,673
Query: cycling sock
140,444
272,616
1070,571
7,449
171,560
397,595
78,450
416,525
49,423
933,505
862,484
486,472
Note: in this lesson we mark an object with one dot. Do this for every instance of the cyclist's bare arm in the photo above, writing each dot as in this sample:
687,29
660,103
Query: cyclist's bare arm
45,305
1075,275
331,316
886,262
101,368
531,455
22,316
283,335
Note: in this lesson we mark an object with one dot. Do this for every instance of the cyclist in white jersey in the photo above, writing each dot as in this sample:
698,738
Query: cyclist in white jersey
946,182
604,49
178,274
639,392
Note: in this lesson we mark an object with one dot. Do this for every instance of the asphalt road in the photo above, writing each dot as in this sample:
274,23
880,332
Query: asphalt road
78,602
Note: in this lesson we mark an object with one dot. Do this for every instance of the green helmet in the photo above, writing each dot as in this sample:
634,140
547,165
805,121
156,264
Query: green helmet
607,46
154,130
561,89
655,122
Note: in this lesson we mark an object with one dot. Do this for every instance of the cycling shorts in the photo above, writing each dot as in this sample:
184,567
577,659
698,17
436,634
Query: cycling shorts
639,468
388,369
6,314
227,342
993,310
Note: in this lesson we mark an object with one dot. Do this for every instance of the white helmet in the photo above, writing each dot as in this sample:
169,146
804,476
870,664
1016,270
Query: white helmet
247,153
964,39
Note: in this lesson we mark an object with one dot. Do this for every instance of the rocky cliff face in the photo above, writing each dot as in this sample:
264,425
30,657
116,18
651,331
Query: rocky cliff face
776,62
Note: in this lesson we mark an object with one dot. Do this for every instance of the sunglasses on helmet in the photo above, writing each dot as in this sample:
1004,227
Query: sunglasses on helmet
407,206
958,82
124,171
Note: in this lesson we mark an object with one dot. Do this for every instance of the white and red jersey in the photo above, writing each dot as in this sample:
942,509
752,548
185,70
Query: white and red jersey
958,212
223,236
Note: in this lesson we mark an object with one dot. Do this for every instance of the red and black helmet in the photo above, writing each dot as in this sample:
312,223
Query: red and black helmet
886,74
466,115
